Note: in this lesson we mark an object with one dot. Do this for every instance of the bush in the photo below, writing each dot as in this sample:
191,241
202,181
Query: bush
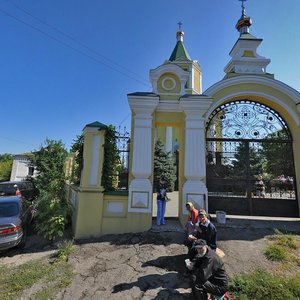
52,206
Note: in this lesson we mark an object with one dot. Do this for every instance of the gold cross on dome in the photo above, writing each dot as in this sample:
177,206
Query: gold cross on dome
243,5
180,25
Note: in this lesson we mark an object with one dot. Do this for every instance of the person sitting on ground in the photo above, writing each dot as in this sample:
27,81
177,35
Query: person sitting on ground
205,230
209,275
192,217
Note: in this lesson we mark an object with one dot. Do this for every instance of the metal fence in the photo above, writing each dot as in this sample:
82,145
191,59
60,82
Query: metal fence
123,145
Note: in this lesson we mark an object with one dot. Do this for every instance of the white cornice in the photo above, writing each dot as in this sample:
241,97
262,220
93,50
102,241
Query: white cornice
143,103
169,106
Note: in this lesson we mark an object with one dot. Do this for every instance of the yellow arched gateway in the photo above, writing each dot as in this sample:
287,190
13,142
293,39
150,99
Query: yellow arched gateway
237,113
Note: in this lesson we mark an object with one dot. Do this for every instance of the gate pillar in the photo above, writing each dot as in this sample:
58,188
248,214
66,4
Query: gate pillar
194,188
140,187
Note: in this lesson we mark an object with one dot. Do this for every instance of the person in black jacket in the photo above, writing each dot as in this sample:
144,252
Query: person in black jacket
209,275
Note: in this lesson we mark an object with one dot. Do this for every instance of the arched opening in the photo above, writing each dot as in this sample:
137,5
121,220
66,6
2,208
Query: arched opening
166,164
250,161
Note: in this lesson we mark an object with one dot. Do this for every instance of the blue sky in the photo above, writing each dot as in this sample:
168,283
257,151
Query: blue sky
67,63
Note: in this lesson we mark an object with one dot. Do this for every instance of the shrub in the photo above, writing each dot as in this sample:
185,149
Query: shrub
52,206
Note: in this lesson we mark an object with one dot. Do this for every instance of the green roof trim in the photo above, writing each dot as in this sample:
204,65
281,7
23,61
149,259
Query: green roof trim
97,125
179,52
143,94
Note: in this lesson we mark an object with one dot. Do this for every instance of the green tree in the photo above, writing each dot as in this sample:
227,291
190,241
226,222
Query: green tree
279,155
6,161
247,155
164,166
77,149
52,206
111,160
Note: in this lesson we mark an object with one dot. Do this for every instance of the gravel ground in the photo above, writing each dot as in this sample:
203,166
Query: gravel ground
146,265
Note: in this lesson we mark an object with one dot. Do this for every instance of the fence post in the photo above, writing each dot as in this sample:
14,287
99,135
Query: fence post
89,203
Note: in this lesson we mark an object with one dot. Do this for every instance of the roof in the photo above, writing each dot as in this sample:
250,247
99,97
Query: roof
143,94
179,52
248,36
97,125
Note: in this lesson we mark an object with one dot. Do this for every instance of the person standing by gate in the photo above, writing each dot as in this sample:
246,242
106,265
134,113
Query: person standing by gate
162,197
260,187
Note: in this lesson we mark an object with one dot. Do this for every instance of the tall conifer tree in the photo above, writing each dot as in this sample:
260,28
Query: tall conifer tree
164,166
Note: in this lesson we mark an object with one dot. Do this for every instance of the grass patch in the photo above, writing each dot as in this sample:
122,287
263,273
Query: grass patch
261,285
276,253
283,247
64,250
17,279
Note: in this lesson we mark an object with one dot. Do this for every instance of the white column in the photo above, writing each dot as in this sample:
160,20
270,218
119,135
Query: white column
140,188
94,166
194,188
169,134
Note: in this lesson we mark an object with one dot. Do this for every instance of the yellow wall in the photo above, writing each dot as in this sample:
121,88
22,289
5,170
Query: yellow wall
88,213
175,90
197,87
92,217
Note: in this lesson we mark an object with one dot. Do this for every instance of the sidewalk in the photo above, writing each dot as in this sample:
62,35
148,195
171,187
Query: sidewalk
233,221
281,223
239,222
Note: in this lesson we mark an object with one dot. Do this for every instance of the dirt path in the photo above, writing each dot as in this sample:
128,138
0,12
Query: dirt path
147,265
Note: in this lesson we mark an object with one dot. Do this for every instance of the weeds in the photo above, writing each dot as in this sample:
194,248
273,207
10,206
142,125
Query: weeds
276,253
282,248
262,285
48,279
64,250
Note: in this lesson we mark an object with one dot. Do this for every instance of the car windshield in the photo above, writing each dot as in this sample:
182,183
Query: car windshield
8,209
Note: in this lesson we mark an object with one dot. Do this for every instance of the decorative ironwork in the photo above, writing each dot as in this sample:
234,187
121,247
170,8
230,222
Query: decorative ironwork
250,157
123,145
246,119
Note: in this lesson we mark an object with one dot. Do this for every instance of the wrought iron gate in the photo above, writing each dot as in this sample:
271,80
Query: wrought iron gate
123,144
250,164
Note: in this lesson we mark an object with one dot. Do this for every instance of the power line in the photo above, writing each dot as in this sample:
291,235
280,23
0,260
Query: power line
71,47
74,40
15,140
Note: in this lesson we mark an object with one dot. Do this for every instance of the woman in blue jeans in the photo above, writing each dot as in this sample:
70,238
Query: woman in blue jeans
161,191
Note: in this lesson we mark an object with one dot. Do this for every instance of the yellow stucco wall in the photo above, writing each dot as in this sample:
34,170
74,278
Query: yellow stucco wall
89,208
97,214
166,77
197,87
